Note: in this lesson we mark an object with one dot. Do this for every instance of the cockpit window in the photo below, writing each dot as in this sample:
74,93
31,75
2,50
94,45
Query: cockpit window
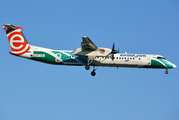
161,58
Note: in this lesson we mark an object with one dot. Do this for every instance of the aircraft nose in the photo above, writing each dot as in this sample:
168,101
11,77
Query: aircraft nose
174,66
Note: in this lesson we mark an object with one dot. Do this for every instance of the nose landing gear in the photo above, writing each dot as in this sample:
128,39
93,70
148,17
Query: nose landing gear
166,72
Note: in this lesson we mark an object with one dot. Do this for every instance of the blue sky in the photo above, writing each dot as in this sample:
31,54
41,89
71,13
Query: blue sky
33,90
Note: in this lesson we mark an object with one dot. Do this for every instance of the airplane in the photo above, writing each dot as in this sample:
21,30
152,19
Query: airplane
88,55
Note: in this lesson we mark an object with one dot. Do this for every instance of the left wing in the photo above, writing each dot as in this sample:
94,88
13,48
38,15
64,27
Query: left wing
87,44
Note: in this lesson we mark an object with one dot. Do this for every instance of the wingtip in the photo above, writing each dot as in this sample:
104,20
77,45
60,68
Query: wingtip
84,37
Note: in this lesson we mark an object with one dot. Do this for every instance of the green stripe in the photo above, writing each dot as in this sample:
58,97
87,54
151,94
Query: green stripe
65,58
167,63
156,64
52,59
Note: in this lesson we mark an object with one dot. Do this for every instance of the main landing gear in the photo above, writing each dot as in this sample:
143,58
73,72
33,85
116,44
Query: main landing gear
93,73
166,72
87,67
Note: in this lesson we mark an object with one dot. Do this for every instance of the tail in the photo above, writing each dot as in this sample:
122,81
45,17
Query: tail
17,41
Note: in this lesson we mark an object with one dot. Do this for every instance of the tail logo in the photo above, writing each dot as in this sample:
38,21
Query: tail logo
18,45
15,40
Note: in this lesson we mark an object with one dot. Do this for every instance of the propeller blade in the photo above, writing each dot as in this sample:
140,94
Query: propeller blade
113,47
113,51
112,56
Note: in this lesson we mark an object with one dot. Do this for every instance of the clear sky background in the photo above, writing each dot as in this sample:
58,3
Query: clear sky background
31,90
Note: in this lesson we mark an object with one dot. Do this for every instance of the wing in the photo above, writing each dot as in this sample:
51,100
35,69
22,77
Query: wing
87,44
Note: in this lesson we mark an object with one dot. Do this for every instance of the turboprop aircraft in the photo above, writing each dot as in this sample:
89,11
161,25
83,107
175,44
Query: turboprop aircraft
88,55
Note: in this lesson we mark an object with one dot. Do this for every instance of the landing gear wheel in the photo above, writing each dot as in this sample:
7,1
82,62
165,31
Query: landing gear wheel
93,73
166,72
87,67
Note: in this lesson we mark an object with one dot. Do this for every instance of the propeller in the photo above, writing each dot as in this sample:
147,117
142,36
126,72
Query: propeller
114,51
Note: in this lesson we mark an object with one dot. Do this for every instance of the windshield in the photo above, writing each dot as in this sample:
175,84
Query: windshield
161,58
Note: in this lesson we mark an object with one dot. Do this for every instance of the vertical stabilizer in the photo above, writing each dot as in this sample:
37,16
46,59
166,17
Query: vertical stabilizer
17,41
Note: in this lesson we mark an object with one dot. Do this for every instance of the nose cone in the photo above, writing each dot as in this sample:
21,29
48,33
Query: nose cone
174,66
